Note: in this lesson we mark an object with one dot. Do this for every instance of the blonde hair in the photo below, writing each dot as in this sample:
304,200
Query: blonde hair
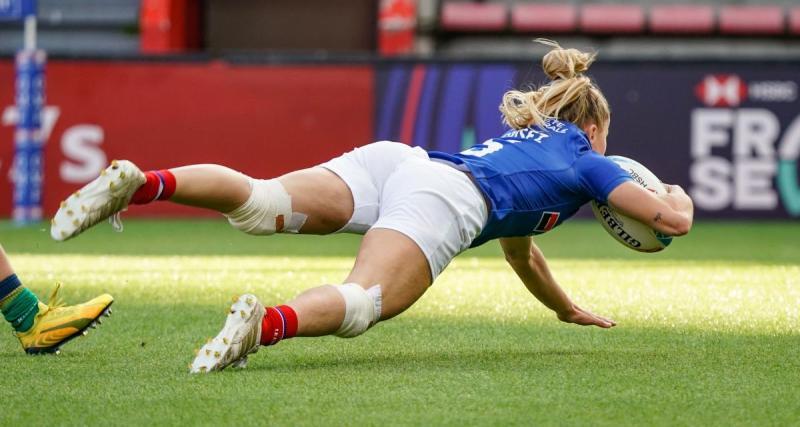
569,96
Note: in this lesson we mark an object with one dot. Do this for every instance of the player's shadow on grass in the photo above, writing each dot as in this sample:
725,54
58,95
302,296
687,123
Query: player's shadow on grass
453,346
462,359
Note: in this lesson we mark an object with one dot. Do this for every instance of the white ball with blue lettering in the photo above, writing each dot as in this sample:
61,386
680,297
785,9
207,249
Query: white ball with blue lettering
626,230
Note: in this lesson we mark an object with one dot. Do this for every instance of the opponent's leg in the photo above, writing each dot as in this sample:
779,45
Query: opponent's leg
18,304
389,275
44,328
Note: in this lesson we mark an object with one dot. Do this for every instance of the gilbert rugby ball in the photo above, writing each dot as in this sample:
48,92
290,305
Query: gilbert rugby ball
626,230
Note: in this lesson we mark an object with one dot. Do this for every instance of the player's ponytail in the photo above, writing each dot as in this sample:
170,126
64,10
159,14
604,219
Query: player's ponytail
569,96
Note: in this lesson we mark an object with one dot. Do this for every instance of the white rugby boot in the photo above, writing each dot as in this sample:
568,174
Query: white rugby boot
240,337
105,197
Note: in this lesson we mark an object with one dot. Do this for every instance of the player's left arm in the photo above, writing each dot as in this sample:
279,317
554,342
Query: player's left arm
602,179
528,262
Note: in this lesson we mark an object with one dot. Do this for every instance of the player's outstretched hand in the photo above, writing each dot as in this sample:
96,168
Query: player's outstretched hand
580,316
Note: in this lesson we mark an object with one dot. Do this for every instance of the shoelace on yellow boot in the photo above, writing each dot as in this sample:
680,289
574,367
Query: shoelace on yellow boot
55,300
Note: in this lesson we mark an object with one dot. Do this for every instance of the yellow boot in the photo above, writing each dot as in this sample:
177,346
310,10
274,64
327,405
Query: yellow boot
56,323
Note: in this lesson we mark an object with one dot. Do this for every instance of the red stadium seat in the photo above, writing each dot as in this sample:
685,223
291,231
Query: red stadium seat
751,20
612,18
682,19
794,20
548,18
467,16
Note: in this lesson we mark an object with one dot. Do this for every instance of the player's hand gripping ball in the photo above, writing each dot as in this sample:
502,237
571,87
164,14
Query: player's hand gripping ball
626,230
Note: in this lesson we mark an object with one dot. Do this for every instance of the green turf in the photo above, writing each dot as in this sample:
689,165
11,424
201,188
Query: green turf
709,334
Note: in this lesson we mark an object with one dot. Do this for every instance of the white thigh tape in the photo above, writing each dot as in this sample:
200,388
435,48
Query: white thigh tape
268,210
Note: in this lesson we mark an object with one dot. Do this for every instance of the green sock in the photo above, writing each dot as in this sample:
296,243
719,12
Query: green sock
20,309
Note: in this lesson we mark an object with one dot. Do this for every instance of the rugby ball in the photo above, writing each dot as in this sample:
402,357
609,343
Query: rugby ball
626,230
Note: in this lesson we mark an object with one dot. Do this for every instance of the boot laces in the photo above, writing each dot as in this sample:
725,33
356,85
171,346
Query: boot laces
55,300
116,221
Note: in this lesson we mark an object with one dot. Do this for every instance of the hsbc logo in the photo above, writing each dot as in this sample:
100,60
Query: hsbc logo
728,90
721,90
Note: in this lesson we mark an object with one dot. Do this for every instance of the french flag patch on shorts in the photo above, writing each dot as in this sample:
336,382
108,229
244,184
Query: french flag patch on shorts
547,222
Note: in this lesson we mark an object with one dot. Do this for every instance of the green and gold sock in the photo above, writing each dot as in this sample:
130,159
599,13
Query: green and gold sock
17,303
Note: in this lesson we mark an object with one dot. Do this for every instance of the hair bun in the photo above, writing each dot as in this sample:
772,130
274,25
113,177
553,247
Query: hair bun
562,63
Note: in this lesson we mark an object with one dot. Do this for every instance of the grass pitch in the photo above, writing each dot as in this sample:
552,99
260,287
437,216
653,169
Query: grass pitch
709,334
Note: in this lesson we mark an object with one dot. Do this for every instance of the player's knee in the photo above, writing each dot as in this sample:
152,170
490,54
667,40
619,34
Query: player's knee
362,309
268,210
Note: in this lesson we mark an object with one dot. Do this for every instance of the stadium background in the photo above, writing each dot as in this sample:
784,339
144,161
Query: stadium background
705,94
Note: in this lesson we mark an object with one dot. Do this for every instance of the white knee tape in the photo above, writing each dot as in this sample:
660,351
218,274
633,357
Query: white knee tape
268,210
362,309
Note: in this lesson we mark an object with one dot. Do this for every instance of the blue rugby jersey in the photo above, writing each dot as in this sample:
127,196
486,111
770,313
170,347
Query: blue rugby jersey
535,178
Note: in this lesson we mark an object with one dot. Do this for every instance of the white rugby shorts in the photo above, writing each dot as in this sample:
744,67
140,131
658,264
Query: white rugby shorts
398,187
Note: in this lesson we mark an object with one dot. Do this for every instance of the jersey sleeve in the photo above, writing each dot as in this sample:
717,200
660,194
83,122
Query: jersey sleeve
599,176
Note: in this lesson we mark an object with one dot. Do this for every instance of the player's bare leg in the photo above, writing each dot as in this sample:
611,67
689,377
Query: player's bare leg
313,201
316,192
390,274
387,258
5,266
210,186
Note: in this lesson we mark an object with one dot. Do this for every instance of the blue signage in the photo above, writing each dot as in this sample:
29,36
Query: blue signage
729,133
15,10
29,147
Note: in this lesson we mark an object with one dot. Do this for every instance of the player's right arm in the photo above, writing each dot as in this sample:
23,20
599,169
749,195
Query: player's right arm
671,213
528,262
